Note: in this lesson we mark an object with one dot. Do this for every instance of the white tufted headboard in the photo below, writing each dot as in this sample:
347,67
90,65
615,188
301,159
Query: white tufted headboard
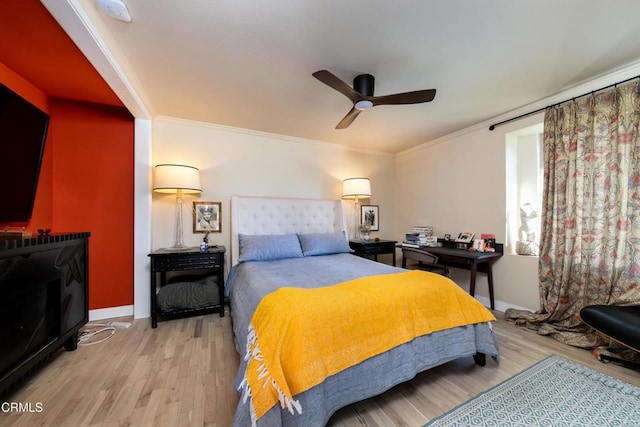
266,215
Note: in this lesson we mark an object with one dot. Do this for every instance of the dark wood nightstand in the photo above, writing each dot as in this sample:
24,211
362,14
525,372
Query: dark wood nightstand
367,248
163,261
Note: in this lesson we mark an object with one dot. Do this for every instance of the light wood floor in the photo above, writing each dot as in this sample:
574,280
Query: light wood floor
181,374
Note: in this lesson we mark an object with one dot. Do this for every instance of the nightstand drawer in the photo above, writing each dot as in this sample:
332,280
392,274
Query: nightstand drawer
370,249
188,262
365,248
386,247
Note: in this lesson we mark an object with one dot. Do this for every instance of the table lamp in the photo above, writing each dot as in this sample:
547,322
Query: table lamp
356,188
178,179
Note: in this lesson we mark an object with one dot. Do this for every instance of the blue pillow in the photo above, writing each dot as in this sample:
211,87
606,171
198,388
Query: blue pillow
324,244
267,247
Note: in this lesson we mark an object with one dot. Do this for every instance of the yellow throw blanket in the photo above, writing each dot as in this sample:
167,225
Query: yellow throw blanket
298,337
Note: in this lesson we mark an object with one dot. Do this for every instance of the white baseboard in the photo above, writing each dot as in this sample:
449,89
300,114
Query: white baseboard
110,313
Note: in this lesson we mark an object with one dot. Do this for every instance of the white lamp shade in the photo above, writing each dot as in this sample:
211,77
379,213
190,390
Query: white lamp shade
355,188
169,178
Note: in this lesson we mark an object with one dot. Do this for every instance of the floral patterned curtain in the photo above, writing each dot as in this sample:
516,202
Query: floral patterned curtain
590,242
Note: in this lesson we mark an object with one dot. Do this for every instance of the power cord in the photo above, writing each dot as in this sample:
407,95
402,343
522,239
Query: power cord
86,336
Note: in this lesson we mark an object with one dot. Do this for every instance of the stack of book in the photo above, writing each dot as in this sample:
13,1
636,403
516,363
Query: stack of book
427,230
422,235
411,240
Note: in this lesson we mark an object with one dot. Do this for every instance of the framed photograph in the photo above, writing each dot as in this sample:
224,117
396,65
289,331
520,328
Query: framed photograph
465,237
370,215
207,217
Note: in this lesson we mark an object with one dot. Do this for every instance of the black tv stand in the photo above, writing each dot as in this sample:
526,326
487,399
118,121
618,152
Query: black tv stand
44,302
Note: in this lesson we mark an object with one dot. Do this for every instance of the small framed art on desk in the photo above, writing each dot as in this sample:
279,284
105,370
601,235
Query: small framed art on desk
370,215
465,237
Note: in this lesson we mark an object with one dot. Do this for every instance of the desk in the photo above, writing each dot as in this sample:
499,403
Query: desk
373,247
468,260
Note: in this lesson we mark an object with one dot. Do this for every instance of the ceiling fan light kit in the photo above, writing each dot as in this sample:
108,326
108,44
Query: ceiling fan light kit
363,105
361,95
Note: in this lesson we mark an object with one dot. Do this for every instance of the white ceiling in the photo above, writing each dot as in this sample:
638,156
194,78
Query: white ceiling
248,64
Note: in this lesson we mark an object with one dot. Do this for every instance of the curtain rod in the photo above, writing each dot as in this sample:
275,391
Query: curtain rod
492,127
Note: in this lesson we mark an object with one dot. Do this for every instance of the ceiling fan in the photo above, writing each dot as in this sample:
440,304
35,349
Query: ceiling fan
362,94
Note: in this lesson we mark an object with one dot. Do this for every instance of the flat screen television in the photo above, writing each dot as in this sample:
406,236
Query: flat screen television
23,131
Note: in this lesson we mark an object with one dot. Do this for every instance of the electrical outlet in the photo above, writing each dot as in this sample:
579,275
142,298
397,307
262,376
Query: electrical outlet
120,325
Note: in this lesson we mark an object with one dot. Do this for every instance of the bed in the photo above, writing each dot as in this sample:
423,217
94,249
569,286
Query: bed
284,249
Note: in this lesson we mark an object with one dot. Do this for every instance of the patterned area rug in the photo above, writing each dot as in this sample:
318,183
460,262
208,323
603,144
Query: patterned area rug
553,392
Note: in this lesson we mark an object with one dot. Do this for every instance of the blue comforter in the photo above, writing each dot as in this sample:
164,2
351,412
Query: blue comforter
249,282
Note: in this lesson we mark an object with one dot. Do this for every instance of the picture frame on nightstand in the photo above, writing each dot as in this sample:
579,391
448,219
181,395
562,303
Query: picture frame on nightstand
370,215
207,217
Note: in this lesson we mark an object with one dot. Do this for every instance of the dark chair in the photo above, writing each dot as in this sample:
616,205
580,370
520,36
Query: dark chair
426,261
620,323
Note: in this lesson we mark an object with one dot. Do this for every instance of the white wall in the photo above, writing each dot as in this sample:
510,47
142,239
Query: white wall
454,183
243,162
457,183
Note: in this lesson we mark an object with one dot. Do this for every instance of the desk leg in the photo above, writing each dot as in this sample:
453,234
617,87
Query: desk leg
394,257
490,281
472,278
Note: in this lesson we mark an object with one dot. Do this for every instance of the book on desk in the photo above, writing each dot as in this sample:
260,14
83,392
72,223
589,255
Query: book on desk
422,236
490,244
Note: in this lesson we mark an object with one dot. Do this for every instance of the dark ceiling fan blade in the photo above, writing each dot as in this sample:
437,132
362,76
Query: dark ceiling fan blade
415,97
361,95
348,119
332,81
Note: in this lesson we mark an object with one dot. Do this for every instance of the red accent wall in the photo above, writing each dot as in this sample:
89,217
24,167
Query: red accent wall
86,184
86,178
24,88
93,160
34,46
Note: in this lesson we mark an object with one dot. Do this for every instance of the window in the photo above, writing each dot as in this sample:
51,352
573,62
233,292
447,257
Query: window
524,171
